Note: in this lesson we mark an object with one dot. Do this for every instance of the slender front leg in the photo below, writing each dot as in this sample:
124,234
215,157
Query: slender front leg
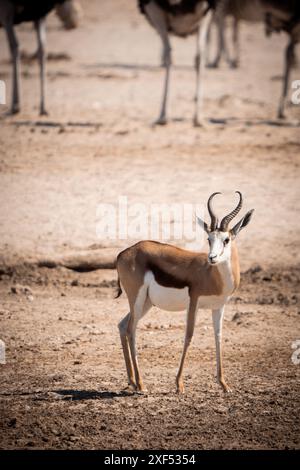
190,326
14,50
289,54
40,26
157,18
217,322
201,55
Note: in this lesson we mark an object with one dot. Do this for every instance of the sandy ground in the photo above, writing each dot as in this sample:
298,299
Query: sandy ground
62,384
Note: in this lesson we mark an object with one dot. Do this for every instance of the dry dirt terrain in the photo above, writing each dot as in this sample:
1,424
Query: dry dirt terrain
62,384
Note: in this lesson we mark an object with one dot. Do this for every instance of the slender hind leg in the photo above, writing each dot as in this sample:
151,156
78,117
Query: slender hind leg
141,307
123,325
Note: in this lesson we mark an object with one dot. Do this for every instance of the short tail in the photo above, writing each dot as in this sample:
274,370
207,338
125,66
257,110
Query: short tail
119,289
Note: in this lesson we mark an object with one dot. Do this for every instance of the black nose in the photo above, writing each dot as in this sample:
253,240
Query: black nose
212,257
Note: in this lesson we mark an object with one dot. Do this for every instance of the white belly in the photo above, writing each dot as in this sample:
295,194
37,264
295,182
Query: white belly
166,298
172,299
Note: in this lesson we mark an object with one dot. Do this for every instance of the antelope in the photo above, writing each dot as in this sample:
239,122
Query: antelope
180,18
174,279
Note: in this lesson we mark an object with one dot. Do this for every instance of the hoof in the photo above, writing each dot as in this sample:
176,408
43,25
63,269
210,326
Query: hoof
129,388
233,64
14,110
225,387
212,65
143,391
180,388
162,121
197,122
43,112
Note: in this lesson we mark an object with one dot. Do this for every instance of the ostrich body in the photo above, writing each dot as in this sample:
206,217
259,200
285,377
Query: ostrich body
180,18
245,10
14,12
278,15
284,15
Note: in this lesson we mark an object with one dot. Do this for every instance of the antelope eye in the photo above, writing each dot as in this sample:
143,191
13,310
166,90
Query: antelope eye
226,241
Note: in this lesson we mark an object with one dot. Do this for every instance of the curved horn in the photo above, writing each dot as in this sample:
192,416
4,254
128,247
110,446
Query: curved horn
228,218
214,220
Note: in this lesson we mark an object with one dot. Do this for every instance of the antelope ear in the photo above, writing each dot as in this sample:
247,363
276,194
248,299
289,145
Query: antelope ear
202,224
241,224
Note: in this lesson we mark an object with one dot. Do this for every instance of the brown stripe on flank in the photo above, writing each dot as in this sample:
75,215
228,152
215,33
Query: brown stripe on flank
164,278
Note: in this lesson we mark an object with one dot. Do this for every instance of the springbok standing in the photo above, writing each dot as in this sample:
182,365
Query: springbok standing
174,279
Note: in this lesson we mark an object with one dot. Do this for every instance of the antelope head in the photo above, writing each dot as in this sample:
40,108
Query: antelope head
221,236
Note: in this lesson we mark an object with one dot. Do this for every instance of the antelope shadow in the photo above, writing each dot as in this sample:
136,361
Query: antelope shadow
73,394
